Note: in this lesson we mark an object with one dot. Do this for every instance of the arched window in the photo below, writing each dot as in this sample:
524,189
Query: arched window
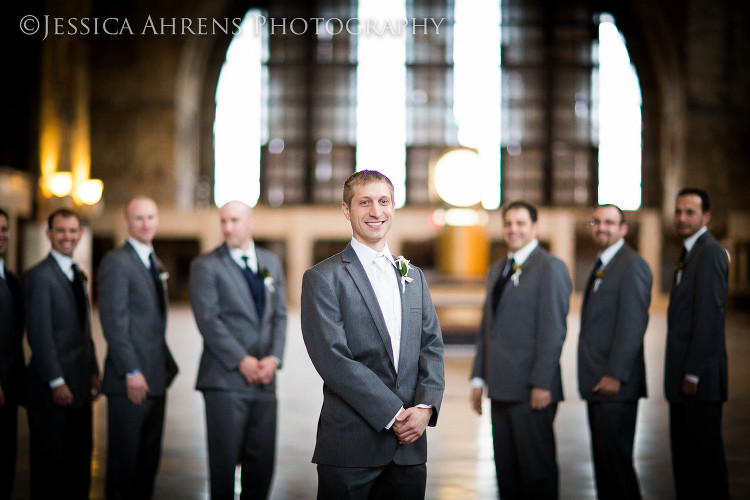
545,93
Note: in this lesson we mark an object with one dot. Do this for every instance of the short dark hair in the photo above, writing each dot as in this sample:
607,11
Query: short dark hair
3,212
514,205
703,195
64,213
619,210
360,179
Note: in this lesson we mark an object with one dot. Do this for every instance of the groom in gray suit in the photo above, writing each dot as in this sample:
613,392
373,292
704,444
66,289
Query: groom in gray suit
611,371
237,294
695,371
518,357
139,366
373,336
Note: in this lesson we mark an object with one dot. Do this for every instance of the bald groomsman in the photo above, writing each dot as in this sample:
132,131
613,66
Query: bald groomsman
237,294
695,373
611,370
139,366
11,363
62,378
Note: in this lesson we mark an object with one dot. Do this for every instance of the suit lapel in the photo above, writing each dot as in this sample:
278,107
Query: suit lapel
261,260
238,281
67,285
140,269
409,299
362,282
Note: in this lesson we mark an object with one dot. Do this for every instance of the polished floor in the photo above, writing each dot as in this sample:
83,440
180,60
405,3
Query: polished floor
460,465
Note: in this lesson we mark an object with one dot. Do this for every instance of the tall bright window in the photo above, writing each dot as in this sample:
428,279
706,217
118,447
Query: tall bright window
476,66
619,121
381,95
237,127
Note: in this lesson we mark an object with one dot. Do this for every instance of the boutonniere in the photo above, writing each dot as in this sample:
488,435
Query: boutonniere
516,276
268,280
163,275
402,264
599,275
84,276
678,271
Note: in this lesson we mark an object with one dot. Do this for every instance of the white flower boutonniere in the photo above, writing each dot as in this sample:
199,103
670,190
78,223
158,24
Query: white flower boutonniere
403,269
268,280
517,271
163,275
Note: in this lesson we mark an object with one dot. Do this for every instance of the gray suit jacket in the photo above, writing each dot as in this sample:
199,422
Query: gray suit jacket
695,324
519,347
228,321
133,323
11,338
613,323
349,345
61,345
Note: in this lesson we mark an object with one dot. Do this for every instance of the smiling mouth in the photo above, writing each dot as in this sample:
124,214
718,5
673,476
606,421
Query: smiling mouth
376,223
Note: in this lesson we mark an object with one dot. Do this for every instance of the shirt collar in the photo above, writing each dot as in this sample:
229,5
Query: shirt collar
64,262
238,253
689,242
609,252
367,255
520,256
142,250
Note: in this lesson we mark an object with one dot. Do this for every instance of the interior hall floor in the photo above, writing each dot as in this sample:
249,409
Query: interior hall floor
460,463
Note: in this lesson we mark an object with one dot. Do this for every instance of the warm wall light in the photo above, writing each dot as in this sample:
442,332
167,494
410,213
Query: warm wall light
60,183
89,191
459,178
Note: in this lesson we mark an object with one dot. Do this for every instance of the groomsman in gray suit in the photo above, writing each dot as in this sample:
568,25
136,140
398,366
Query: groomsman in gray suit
11,363
611,370
518,357
237,293
62,378
695,372
139,366
373,336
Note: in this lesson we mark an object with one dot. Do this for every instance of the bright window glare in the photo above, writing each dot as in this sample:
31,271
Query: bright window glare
237,126
619,122
476,63
381,95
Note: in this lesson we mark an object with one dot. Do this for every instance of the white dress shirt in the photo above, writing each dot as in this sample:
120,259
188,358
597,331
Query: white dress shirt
252,259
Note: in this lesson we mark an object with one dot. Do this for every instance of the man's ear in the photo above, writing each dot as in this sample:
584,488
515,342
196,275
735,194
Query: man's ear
345,209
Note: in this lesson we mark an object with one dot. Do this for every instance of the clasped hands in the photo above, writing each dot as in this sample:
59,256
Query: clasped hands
411,423
258,371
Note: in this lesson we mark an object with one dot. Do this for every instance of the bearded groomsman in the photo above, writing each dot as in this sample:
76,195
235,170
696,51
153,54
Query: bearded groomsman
695,373
611,370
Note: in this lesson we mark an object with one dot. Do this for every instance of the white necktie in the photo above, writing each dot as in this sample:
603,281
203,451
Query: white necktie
389,306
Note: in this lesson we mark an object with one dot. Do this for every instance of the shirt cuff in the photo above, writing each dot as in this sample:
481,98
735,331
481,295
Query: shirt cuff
55,383
131,373
477,383
692,378
387,427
